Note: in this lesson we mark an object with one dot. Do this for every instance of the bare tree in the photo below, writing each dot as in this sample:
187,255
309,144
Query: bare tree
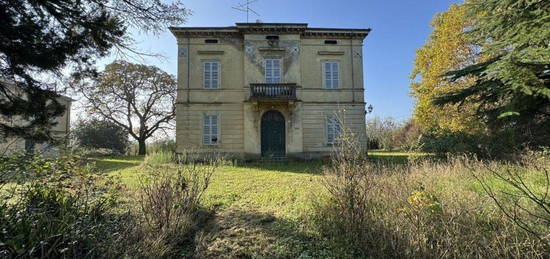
137,97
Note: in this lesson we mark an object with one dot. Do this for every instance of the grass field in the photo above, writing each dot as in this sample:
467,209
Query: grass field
258,207
265,210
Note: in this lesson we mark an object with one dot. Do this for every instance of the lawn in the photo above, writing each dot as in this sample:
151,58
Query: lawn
258,206
264,210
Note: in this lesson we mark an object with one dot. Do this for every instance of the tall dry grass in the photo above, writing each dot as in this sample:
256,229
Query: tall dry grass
431,209
168,211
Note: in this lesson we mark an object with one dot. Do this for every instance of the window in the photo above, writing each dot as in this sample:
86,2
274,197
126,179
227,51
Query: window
272,70
331,74
211,41
210,130
272,37
211,70
331,42
29,146
333,129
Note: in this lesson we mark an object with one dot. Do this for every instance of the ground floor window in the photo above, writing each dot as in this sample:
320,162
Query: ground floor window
210,130
333,129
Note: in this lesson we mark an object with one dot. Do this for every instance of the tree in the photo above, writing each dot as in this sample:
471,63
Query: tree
512,81
139,98
42,39
379,132
447,48
96,133
407,136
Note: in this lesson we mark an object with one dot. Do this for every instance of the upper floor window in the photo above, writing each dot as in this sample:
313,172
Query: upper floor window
331,74
331,42
272,68
211,74
333,129
210,133
211,41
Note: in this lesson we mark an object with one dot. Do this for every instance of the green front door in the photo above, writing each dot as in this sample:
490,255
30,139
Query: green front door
273,134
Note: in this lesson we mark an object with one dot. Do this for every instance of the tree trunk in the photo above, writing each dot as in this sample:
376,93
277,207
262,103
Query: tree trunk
142,148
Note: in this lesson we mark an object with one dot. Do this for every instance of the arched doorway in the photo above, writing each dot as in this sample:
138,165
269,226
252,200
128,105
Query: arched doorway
273,134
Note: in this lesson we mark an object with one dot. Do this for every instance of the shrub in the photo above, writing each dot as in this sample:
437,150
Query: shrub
101,134
59,212
422,210
157,146
169,209
159,158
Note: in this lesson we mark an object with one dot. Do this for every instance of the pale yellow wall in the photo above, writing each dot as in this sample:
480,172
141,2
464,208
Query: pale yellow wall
314,123
189,127
59,132
241,60
312,77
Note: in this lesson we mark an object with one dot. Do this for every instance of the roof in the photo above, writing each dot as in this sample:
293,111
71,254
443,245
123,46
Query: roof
10,84
262,28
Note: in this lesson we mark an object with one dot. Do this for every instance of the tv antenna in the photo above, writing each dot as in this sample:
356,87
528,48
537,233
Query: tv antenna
245,7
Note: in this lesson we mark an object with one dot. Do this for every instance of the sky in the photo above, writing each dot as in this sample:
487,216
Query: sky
399,28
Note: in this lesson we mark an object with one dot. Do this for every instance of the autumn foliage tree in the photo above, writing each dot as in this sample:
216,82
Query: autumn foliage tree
446,49
139,98
512,81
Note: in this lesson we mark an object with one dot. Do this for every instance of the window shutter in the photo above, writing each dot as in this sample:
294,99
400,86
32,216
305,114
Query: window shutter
206,76
210,130
276,71
214,75
335,75
333,129
331,75
214,129
328,78
272,70
206,130
211,74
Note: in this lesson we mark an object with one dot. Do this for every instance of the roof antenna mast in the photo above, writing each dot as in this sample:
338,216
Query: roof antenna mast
245,7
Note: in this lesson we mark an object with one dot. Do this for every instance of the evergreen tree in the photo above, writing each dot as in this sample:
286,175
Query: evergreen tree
41,39
96,133
512,76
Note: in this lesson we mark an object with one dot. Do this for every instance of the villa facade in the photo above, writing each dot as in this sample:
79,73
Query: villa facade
268,89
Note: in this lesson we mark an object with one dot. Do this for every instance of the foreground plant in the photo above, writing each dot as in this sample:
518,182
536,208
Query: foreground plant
60,210
170,209
426,209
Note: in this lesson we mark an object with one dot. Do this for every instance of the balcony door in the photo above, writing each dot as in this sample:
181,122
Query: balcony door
273,134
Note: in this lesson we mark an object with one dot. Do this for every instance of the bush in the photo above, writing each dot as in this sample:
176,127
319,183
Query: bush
504,145
101,134
159,158
169,210
158,146
421,210
60,211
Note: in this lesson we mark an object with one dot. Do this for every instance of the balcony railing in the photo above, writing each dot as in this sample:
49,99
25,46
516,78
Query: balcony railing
273,91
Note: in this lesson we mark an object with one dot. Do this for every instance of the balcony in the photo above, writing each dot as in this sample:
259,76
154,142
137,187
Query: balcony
273,91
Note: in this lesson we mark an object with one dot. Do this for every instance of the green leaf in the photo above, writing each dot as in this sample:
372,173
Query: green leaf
507,114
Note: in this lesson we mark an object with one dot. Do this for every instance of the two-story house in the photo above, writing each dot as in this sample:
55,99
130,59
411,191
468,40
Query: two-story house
59,131
268,89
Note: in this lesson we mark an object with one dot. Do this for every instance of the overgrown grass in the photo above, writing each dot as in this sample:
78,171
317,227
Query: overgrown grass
415,207
434,208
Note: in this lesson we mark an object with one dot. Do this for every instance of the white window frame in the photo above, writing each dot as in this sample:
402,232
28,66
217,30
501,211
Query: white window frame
272,78
207,82
332,121
331,81
208,137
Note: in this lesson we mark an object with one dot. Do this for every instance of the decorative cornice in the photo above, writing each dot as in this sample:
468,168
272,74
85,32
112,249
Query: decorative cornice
264,28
